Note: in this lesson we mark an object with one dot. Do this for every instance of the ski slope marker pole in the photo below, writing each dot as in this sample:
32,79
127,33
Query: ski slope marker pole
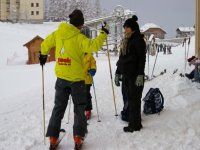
43,102
188,48
95,98
113,92
70,101
185,54
154,65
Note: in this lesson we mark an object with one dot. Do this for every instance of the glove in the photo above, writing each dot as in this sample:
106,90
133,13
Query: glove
92,72
105,28
139,80
43,59
117,79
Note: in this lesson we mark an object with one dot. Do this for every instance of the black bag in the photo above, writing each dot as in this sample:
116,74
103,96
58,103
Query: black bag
153,101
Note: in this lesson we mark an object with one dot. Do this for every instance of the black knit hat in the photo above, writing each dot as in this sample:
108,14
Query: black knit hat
76,18
132,23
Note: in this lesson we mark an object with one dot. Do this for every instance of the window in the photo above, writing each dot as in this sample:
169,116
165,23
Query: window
32,12
37,12
32,4
37,4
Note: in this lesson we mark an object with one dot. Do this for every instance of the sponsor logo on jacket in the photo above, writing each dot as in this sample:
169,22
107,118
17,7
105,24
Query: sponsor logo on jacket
64,61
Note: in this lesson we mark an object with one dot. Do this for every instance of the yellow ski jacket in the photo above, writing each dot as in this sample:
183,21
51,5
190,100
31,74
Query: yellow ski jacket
89,63
70,48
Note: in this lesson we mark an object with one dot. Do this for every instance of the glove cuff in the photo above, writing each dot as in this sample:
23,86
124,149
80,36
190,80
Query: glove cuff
105,30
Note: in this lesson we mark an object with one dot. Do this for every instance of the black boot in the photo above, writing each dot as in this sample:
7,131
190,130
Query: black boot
128,129
138,128
131,129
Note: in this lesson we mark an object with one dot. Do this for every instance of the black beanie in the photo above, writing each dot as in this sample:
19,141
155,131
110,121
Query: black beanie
76,18
132,23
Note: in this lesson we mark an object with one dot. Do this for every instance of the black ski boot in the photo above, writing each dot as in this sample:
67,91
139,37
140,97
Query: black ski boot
131,129
128,129
78,147
78,140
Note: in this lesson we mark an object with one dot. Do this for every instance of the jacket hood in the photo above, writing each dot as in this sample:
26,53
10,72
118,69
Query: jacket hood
137,34
67,31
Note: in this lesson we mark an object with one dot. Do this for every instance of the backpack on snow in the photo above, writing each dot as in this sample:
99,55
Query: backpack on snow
153,101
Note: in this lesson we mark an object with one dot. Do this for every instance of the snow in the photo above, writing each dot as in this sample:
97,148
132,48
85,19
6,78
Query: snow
186,29
21,113
149,25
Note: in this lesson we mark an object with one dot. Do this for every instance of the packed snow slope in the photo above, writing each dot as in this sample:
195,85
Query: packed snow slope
21,112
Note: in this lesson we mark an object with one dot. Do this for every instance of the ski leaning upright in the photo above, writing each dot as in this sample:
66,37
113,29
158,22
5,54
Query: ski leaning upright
61,136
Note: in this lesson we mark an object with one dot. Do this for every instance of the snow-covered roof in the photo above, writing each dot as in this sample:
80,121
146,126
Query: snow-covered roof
148,26
129,12
186,29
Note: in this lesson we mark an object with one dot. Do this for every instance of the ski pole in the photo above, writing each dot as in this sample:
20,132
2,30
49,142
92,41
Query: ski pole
154,65
113,92
70,101
188,48
185,55
95,98
43,103
148,58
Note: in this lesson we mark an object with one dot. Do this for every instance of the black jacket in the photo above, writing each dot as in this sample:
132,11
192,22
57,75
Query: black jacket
133,63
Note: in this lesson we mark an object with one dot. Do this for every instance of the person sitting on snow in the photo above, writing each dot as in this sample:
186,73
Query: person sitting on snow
195,73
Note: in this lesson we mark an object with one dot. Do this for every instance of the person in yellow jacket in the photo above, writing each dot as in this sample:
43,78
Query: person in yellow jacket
90,71
71,47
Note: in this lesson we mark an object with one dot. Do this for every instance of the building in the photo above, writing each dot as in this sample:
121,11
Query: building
31,11
185,32
151,28
34,48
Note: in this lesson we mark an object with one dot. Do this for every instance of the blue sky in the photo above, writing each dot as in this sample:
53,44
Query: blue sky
168,14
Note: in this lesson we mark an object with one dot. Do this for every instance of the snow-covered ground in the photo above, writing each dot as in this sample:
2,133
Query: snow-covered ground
21,115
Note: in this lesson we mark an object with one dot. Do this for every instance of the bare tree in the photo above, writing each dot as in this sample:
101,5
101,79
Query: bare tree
13,16
60,10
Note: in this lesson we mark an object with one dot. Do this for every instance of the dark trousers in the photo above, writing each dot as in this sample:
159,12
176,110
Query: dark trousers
63,90
197,72
124,112
191,74
124,96
89,98
134,94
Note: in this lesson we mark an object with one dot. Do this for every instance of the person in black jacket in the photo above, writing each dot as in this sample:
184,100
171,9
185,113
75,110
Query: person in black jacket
131,66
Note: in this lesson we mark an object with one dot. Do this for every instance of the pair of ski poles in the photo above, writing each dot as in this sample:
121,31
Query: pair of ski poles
70,99
104,24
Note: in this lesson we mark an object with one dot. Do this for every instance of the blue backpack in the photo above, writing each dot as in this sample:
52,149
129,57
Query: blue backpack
153,101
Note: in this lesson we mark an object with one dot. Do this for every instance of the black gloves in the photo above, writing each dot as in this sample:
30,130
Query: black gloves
43,59
105,28
117,79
